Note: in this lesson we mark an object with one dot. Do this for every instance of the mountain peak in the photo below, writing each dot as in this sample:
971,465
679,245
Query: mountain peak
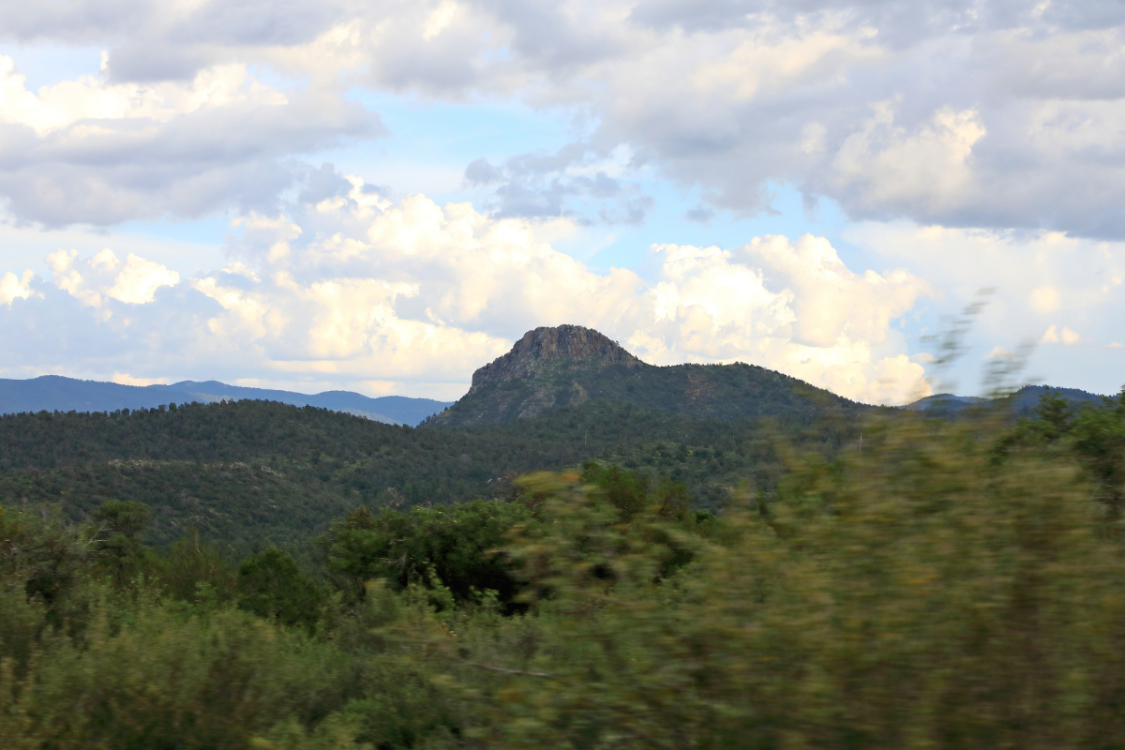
544,345
570,366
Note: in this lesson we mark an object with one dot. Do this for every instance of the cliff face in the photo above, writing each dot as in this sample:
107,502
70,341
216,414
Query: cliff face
542,346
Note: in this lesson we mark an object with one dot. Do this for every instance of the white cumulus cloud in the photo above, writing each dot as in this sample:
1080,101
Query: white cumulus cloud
1048,287
13,287
92,280
413,292
1065,336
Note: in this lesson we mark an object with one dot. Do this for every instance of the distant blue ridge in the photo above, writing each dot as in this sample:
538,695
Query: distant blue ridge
1022,401
56,393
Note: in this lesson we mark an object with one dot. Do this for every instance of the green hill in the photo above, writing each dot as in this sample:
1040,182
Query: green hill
252,473
550,368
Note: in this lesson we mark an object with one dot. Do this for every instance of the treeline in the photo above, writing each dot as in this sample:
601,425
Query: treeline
950,585
252,473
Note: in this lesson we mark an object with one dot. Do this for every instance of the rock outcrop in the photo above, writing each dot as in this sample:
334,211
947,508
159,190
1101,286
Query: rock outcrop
545,345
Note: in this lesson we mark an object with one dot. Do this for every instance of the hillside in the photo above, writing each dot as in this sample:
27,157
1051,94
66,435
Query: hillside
250,473
253,473
550,368
979,559
55,393
1021,403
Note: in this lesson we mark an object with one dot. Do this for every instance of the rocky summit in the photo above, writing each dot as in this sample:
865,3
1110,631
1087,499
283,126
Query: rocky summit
569,365
538,348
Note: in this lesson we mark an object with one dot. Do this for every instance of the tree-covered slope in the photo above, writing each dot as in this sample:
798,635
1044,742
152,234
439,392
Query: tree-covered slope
944,583
550,368
250,473
253,472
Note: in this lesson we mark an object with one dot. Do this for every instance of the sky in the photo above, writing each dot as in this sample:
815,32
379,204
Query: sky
383,196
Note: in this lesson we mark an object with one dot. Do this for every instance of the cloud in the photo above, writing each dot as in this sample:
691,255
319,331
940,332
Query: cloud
89,151
998,116
883,165
14,287
957,113
151,40
929,127
124,378
1043,282
699,214
792,306
139,279
1045,299
356,288
1041,278
1066,336
133,282
575,182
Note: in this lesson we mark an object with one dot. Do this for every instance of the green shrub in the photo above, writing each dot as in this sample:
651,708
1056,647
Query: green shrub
910,594
160,680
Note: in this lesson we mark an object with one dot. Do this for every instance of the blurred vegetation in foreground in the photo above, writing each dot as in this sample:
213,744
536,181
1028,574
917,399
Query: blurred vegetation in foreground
935,585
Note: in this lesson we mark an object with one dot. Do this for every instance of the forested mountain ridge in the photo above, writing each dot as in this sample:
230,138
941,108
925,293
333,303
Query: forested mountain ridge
570,365
56,393
251,473
254,472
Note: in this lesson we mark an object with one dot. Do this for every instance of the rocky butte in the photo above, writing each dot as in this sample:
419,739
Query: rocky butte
570,365
540,347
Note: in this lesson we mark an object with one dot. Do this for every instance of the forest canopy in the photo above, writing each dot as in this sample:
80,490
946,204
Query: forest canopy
940,583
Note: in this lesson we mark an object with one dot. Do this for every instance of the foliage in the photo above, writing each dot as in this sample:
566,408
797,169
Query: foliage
1099,441
451,551
936,585
455,552
721,392
161,680
195,571
912,594
272,586
117,538
249,475
1094,436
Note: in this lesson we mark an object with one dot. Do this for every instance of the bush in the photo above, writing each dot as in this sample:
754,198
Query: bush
909,594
